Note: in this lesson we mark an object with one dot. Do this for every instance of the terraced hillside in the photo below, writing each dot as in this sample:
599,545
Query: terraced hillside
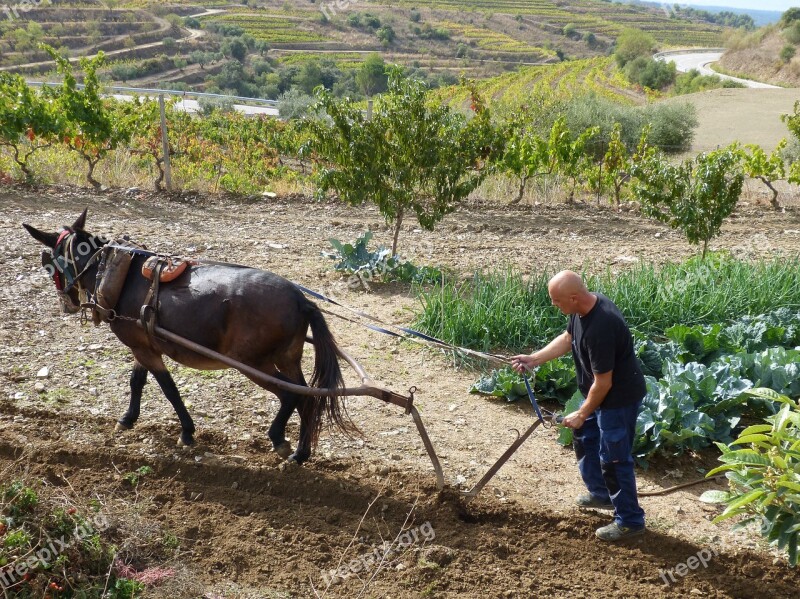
596,16
266,49
77,28
598,75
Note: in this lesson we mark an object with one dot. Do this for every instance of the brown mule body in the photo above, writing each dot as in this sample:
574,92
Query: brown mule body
253,316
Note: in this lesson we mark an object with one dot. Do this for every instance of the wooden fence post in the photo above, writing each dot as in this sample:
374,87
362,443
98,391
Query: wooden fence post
165,143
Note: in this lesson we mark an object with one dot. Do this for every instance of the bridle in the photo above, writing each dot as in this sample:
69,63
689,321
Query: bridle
65,266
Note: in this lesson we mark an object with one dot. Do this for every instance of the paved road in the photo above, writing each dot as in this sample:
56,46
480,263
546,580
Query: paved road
700,60
194,106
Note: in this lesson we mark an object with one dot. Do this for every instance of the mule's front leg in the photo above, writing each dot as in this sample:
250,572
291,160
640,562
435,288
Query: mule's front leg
173,395
138,380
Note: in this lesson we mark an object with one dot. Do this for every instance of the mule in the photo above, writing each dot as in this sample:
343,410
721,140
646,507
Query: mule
253,316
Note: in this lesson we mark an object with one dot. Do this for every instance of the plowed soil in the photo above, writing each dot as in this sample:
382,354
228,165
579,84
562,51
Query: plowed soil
248,525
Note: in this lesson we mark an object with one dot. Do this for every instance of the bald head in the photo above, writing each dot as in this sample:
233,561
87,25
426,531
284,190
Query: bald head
569,293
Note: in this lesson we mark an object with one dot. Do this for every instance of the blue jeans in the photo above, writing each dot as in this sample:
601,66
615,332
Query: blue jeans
603,448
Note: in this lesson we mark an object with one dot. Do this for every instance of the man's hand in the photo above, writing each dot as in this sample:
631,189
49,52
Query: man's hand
524,362
559,346
574,420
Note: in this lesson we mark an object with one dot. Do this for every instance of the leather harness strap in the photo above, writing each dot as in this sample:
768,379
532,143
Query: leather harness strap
148,315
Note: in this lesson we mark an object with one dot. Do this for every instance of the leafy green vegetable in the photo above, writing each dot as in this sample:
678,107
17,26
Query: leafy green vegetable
565,433
763,470
501,383
356,259
553,380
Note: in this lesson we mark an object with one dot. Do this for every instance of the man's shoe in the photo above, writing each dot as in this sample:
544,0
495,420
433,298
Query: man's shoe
588,500
615,532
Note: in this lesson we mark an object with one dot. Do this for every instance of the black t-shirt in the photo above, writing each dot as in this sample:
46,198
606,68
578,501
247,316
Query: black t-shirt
602,341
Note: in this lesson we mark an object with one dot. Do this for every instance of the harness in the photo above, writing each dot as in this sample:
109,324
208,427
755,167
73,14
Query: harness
66,266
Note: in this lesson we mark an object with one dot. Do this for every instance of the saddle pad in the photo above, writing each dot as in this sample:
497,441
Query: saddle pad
111,275
173,268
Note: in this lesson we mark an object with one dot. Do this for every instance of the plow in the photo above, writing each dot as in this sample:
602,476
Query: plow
370,388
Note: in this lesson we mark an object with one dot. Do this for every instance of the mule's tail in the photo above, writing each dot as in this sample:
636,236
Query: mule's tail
327,375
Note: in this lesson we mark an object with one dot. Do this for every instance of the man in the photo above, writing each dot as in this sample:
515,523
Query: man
611,381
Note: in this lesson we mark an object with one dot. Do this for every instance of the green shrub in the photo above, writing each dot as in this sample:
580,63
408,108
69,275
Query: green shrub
792,34
692,82
672,125
790,17
631,44
651,73
787,53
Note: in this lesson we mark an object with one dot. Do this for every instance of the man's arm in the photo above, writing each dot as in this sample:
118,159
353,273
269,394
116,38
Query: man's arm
558,347
597,393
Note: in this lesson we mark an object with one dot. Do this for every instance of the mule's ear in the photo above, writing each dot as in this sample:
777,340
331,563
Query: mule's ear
49,239
79,224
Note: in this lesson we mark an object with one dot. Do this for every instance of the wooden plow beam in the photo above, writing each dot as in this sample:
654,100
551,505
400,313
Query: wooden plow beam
368,388
473,492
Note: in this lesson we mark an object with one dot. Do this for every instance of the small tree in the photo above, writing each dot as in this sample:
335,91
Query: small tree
695,196
767,168
793,123
526,154
414,155
28,120
613,169
371,76
386,35
569,155
94,126
146,138
633,43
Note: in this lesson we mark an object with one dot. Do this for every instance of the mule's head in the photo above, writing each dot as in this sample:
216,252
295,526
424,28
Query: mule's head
69,257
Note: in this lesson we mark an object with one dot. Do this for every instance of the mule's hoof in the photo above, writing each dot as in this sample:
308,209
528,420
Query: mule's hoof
119,427
284,449
297,459
184,441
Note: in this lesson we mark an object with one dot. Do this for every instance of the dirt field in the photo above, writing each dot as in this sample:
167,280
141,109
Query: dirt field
249,527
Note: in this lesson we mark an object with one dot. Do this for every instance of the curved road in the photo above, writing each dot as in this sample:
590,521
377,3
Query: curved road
700,59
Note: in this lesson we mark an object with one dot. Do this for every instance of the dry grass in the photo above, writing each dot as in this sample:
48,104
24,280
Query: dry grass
757,56
749,116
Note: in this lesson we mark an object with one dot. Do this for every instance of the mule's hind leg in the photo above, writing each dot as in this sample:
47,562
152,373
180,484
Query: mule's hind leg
138,380
305,408
155,365
164,379
277,430
290,371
